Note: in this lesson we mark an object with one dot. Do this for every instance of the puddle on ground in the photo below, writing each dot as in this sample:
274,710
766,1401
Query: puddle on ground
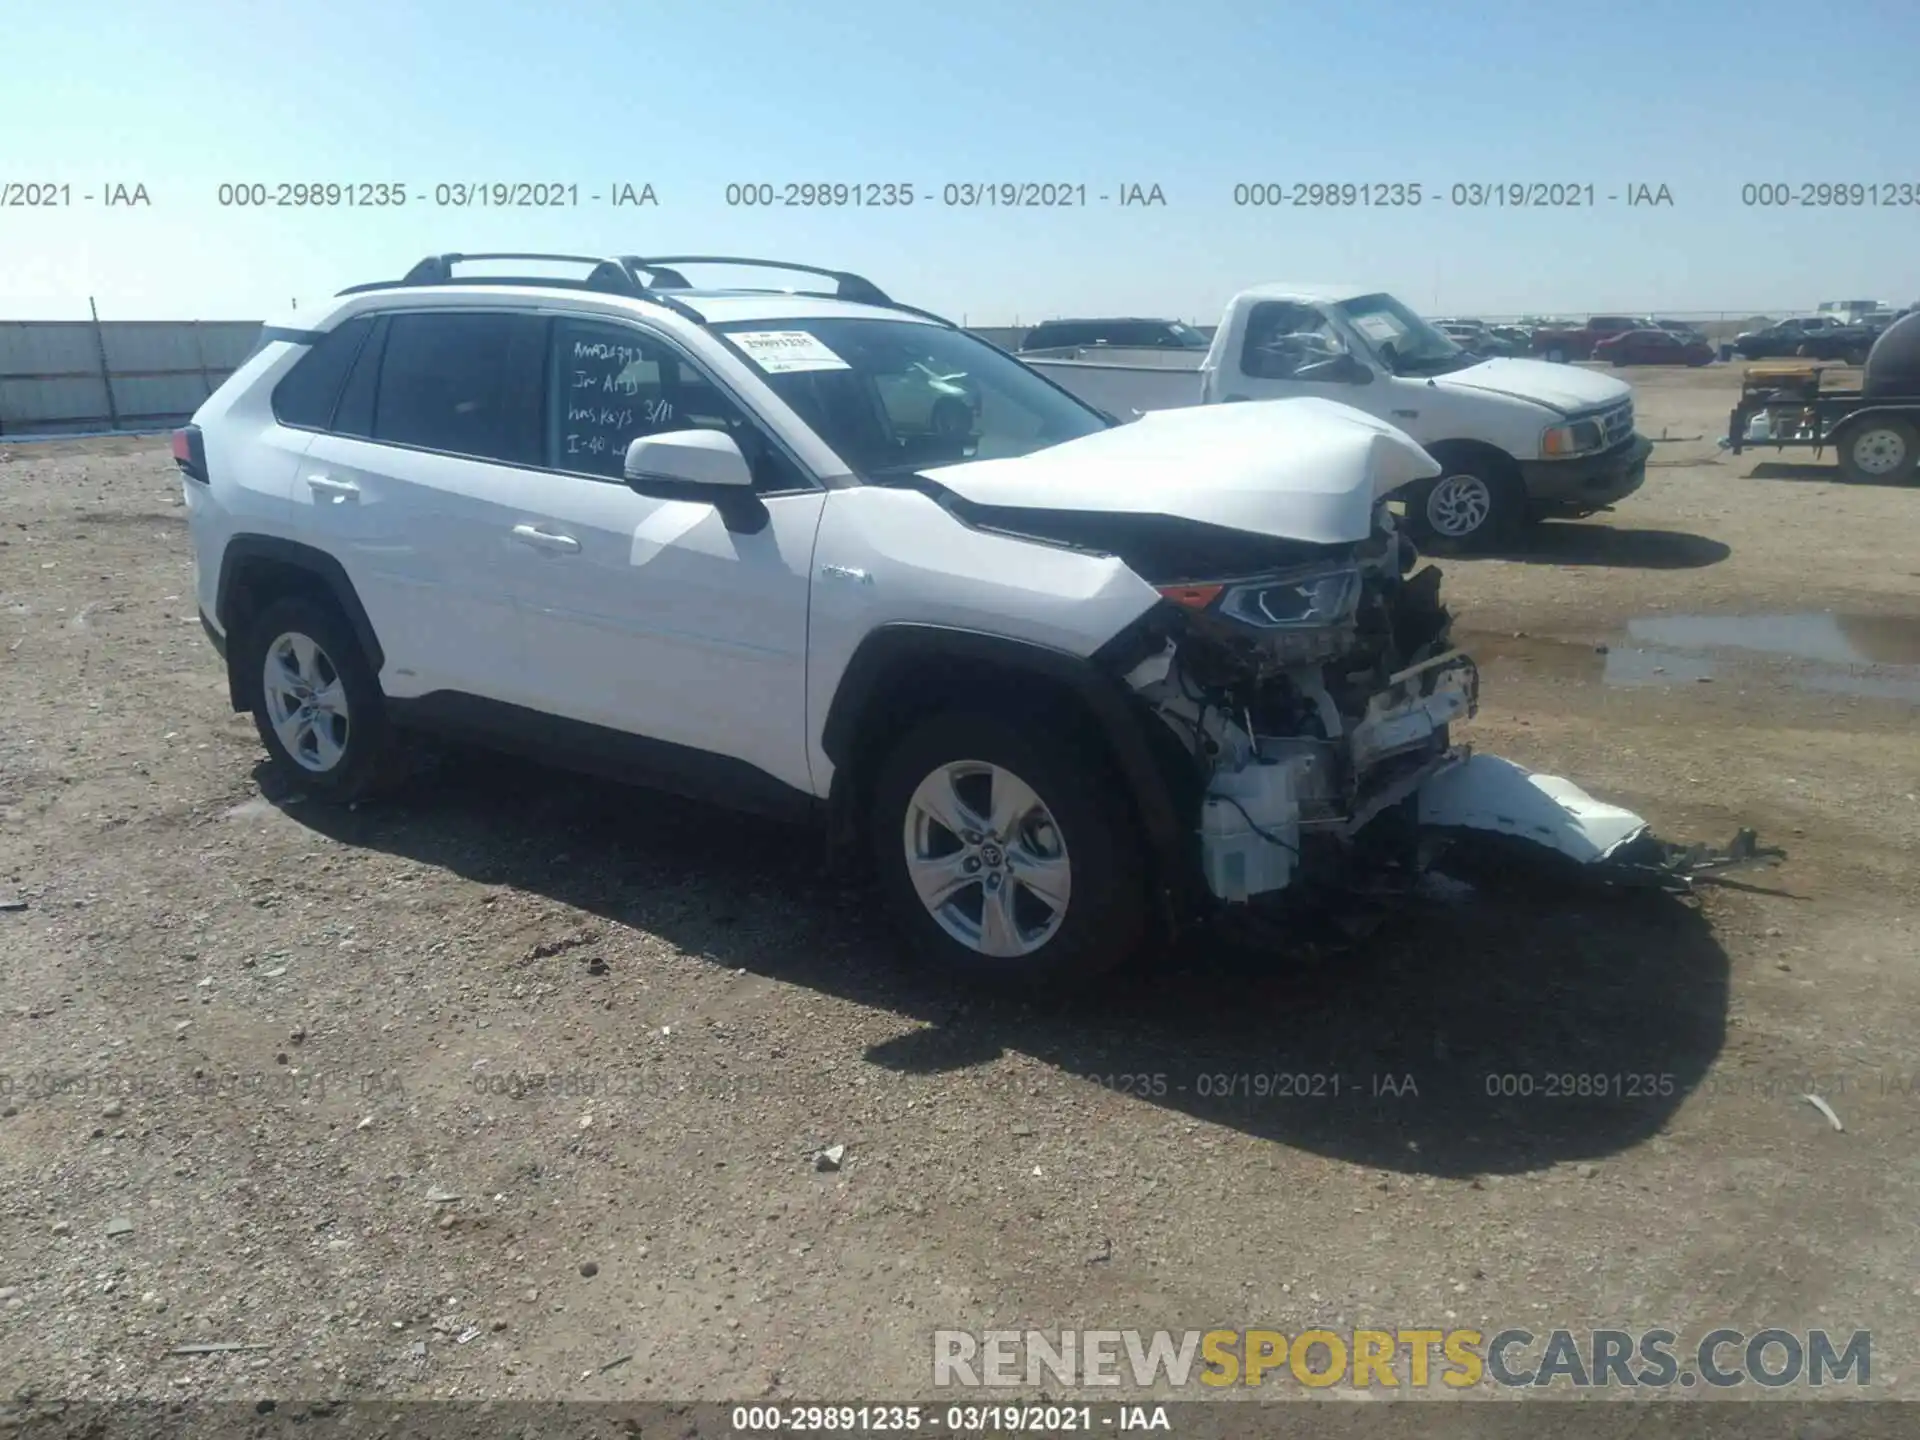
1820,637
1870,656
1867,656
1653,667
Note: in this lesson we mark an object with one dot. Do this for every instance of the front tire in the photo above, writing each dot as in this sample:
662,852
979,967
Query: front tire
1004,856
1879,452
316,702
1472,505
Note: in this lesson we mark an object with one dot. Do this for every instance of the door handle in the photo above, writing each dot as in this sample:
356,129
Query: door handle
546,540
333,489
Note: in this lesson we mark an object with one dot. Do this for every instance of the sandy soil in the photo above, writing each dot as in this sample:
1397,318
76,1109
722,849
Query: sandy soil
274,1040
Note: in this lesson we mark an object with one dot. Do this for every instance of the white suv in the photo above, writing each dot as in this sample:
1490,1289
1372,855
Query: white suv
825,556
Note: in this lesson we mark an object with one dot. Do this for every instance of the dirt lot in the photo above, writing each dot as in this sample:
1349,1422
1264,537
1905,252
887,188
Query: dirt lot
272,1040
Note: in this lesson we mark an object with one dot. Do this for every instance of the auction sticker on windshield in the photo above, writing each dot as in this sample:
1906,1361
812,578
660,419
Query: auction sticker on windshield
780,352
1377,328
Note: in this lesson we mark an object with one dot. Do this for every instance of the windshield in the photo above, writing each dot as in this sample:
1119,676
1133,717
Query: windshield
1400,339
1189,337
892,397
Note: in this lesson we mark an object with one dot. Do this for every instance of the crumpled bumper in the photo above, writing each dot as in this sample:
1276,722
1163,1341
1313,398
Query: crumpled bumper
1491,795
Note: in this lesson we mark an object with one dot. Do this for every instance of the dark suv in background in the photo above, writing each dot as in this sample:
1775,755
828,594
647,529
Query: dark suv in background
1814,337
1130,332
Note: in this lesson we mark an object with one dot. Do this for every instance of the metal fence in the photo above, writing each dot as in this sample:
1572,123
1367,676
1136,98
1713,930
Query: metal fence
61,377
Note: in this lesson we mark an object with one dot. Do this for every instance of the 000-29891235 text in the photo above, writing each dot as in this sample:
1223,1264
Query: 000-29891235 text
1834,194
311,194
810,194
908,1419
1328,194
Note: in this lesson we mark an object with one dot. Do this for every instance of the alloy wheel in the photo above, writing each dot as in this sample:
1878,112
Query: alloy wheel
306,702
987,859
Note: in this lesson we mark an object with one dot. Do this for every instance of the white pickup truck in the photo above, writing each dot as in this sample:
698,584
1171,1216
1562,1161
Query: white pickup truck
1517,440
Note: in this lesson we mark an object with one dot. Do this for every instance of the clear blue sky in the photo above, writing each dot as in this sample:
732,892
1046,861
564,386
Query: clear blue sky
689,95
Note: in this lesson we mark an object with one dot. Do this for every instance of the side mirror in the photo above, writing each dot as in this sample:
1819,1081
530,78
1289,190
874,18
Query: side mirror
1345,369
707,466
702,458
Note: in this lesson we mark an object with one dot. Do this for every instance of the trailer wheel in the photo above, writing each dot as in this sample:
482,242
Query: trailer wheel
1879,450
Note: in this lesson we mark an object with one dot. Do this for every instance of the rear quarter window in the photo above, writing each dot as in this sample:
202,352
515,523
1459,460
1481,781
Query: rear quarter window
305,397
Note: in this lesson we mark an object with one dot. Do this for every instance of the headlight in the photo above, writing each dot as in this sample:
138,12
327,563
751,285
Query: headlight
1310,598
1296,600
1575,439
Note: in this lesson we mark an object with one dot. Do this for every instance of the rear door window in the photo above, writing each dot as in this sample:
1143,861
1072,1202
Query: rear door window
464,383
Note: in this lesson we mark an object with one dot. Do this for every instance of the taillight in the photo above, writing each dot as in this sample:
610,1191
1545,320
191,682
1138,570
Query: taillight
190,453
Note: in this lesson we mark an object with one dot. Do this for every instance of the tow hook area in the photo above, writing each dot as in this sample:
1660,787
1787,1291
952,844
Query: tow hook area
1488,794
1663,865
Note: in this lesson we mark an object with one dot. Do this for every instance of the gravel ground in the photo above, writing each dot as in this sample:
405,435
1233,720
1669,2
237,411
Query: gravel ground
270,1071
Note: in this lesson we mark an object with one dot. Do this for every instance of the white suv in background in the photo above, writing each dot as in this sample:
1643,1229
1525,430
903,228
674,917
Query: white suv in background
820,555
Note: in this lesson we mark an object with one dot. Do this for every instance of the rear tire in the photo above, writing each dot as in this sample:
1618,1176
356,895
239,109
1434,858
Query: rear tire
1035,876
1879,452
1473,505
316,702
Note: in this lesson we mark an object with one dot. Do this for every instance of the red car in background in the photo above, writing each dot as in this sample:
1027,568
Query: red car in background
1653,347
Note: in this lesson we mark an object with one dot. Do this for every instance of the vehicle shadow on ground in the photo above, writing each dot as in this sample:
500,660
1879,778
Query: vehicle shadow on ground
1573,543
1444,1039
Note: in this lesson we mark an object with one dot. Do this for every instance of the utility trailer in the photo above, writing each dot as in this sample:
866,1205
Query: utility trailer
1874,430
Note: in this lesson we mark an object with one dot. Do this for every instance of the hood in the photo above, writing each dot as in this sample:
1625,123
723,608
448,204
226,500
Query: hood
1565,388
1303,469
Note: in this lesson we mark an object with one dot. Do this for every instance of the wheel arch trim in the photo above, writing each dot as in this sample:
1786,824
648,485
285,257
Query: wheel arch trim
1093,682
246,550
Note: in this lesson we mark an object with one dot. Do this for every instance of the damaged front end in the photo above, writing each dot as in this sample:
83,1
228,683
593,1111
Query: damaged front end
1312,696
1298,673
1312,701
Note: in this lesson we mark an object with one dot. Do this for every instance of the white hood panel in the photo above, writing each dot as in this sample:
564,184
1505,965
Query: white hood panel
1303,469
1566,388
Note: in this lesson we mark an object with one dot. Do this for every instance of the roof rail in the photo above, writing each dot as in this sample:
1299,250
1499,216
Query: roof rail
849,286
438,270
638,277
608,276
